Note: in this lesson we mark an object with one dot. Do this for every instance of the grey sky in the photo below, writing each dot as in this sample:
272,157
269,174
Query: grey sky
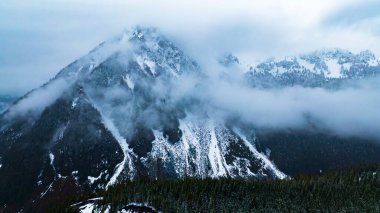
39,37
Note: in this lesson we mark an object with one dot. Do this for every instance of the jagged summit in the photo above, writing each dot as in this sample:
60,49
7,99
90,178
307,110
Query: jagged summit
115,114
151,51
323,68
110,116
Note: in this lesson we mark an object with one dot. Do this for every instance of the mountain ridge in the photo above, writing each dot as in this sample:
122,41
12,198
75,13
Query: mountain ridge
119,113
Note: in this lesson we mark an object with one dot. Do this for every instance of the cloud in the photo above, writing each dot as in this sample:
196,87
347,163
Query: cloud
36,101
39,37
351,111
354,13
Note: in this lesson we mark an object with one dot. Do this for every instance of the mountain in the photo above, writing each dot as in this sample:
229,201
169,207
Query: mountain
5,102
339,191
325,68
122,112
107,117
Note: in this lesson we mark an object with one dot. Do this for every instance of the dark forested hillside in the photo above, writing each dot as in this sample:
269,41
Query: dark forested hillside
356,190
300,152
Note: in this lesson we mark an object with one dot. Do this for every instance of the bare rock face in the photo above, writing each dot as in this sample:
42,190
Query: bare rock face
120,113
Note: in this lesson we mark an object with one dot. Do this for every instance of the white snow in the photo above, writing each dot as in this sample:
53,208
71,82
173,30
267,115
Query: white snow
124,147
93,179
191,139
333,68
306,64
266,162
107,210
128,80
108,123
48,189
51,156
137,204
346,66
281,70
74,104
151,65
373,63
241,171
214,155
88,208
142,61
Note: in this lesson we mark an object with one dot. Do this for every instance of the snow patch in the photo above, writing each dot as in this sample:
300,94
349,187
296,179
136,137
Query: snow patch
151,65
74,103
152,209
333,69
145,62
128,80
215,157
140,61
51,157
88,208
346,66
308,66
108,123
123,145
266,162
93,179
373,63
281,70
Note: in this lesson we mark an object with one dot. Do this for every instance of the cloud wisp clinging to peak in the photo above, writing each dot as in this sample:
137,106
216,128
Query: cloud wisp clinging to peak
33,45
213,90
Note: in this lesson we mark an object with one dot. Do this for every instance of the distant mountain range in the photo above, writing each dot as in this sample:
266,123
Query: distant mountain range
325,68
117,114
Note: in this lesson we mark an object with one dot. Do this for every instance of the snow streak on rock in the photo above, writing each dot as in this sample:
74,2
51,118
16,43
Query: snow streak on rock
127,159
265,161
215,156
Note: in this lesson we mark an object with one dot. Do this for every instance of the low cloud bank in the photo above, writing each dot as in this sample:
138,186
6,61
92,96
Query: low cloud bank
353,110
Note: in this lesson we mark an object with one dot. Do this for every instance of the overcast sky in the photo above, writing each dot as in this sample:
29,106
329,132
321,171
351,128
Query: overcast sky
38,37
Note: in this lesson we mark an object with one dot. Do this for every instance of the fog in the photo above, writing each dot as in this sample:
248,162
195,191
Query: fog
40,37
222,93
33,103
346,112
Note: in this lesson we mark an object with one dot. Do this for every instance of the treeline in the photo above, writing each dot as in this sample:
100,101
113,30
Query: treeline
357,190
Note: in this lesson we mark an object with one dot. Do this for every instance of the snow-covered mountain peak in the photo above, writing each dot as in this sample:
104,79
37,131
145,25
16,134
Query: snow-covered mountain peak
127,110
152,52
315,69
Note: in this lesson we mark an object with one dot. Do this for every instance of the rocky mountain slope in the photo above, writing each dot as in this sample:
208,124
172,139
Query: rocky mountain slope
119,113
325,68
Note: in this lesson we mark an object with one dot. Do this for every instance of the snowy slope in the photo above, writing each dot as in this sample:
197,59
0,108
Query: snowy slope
325,68
112,116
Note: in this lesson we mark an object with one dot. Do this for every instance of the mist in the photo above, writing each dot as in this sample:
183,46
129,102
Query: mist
350,111
345,112
34,48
